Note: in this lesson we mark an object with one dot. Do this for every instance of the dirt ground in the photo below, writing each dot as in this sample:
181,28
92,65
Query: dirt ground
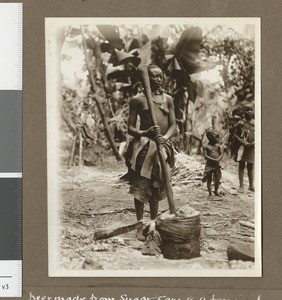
94,198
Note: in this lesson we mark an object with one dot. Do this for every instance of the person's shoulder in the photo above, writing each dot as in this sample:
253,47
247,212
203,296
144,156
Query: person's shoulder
139,97
137,101
168,99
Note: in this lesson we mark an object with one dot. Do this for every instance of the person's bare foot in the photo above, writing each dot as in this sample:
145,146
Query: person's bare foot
139,233
251,188
241,189
217,194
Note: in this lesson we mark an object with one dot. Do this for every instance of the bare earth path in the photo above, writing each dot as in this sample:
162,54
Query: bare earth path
91,195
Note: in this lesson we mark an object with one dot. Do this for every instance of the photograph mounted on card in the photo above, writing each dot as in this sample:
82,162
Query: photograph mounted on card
153,147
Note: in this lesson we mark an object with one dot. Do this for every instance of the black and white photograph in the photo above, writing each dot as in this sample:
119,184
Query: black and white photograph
153,147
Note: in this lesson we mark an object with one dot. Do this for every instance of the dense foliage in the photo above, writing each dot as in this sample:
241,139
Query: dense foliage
237,55
205,95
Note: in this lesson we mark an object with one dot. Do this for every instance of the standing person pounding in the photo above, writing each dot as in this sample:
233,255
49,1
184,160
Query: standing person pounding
145,177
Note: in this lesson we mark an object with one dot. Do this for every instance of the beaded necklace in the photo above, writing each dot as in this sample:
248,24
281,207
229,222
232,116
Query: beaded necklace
160,103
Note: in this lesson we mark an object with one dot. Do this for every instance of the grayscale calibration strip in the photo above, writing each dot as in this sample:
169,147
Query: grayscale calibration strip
11,201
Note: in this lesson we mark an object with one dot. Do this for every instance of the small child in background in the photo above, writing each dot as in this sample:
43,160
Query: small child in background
213,154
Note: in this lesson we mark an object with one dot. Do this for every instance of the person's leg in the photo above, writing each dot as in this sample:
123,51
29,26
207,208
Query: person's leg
139,210
216,184
241,176
250,168
154,207
209,182
217,177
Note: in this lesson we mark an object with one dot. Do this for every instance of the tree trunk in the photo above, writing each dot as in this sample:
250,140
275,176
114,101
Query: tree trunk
185,124
60,42
96,98
72,151
80,159
187,121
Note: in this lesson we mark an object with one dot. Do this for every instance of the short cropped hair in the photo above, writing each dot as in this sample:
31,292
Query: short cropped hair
151,67
210,133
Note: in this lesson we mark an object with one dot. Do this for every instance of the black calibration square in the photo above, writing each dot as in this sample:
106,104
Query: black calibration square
10,219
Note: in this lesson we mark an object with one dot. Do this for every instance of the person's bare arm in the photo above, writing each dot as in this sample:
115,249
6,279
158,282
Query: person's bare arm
171,124
134,107
132,119
237,137
242,141
205,151
220,152
171,119
250,144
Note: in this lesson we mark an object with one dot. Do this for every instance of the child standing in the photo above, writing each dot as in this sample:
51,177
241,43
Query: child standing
245,135
213,154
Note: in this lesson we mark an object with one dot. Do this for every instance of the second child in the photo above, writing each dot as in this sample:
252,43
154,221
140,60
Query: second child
213,154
